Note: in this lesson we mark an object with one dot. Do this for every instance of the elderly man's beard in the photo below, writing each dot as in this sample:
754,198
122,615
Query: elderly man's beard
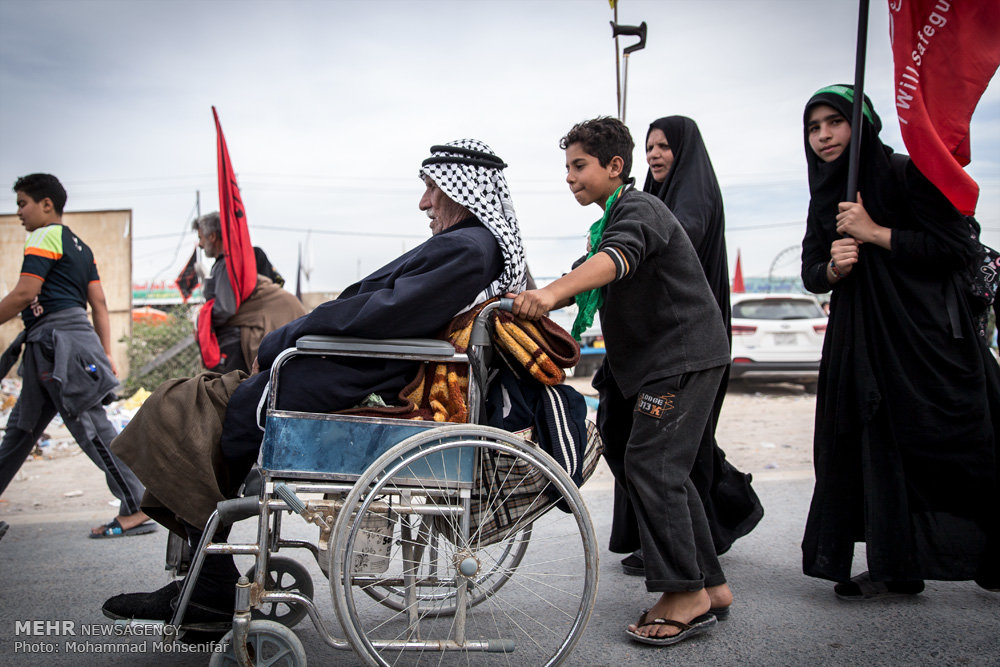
446,214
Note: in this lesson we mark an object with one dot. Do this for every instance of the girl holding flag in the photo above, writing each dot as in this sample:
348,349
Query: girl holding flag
908,406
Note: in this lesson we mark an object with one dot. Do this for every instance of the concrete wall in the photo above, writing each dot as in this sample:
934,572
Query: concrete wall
109,235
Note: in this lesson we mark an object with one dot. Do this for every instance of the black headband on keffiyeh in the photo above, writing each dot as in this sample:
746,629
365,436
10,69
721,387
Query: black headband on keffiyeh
470,173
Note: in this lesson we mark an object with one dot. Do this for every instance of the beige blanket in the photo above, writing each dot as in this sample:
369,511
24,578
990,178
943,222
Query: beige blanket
268,308
172,445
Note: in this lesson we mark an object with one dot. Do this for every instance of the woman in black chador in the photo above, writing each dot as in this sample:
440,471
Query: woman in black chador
908,408
681,175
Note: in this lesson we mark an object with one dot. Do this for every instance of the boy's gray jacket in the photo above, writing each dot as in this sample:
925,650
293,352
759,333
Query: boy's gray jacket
659,317
61,346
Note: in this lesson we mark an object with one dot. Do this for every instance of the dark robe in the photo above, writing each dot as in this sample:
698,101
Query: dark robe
908,406
691,192
414,296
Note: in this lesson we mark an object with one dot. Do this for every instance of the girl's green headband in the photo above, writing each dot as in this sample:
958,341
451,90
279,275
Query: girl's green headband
848,94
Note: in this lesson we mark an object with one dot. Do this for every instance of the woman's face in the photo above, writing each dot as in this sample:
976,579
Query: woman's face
659,156
829,132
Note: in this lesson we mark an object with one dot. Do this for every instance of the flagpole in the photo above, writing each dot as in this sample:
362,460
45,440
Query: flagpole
859,97
618,67
298,276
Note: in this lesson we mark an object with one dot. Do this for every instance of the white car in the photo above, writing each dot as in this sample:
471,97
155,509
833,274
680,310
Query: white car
777,337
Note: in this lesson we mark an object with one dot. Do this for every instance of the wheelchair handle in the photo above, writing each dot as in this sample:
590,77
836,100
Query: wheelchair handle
479,335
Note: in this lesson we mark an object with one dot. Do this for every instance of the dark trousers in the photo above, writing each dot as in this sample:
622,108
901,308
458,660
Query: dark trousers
216,585
651,441
92,431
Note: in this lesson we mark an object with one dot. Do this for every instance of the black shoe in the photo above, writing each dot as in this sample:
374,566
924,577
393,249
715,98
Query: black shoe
862,587
3,528
990,584
153,606
633,565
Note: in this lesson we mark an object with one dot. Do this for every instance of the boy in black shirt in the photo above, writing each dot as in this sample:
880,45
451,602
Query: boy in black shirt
666,352
67,366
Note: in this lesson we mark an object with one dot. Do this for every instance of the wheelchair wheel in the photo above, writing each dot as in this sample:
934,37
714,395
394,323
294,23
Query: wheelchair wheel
268,643
502,562
418,523
283,574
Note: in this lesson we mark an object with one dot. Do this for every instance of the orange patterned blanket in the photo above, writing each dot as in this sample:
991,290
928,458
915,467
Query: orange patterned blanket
439,390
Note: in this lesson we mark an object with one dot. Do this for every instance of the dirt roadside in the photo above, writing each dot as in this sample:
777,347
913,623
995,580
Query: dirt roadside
765,430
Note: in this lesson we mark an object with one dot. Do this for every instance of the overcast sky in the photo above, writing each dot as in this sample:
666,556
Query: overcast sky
329,107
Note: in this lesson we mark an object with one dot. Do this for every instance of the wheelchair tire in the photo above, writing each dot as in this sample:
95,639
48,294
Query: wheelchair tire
382,539
268,643
283,574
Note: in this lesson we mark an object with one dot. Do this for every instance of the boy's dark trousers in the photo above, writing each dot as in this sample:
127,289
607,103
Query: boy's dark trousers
651,441
92,431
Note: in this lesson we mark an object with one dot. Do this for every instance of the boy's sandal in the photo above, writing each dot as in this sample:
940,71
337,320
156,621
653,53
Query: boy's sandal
721,613
697,626
114,529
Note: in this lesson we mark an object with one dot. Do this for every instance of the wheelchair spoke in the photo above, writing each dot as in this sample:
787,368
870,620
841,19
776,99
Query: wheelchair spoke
528,569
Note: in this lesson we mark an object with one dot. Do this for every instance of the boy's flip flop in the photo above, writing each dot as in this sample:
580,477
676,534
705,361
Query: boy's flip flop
697,626
114,529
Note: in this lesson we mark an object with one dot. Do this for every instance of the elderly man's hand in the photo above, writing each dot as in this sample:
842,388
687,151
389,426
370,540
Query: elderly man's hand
534,304
255,367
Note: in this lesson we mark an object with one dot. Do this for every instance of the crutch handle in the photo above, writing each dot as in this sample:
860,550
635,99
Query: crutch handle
633,31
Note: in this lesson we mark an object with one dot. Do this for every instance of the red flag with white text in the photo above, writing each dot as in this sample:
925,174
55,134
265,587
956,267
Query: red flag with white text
945,52
241,265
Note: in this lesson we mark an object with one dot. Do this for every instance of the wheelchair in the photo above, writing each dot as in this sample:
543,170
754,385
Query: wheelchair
441,543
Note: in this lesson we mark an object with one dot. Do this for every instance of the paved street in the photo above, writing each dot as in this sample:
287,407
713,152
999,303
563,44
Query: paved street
50,571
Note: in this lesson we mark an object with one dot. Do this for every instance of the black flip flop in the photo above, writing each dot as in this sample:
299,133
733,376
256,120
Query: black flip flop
697,626
721,613
114,529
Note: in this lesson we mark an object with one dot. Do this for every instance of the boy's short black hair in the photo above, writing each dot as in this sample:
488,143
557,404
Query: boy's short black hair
40,186
604,138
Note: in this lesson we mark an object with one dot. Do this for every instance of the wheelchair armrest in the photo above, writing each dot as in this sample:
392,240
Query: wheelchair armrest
423,347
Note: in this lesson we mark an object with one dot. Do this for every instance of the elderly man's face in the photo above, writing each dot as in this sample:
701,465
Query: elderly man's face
442,211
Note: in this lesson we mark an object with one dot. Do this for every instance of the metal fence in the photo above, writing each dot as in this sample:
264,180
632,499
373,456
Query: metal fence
161,351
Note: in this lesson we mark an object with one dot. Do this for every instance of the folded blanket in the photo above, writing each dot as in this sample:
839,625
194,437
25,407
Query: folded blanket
438,391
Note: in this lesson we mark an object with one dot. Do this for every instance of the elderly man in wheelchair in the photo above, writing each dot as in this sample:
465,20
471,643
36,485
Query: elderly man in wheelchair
419,522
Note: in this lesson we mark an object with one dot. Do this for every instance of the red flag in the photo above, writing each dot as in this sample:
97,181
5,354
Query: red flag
240,263
945,53
187,280
241,266
738,286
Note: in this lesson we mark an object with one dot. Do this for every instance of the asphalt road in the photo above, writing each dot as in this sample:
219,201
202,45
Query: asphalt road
49,571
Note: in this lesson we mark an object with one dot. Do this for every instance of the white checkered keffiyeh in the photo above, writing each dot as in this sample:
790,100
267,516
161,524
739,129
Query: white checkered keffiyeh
471,174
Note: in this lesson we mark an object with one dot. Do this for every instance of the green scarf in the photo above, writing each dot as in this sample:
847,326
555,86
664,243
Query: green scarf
589,302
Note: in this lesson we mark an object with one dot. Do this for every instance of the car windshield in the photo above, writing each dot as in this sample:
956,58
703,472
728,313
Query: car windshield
777,309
